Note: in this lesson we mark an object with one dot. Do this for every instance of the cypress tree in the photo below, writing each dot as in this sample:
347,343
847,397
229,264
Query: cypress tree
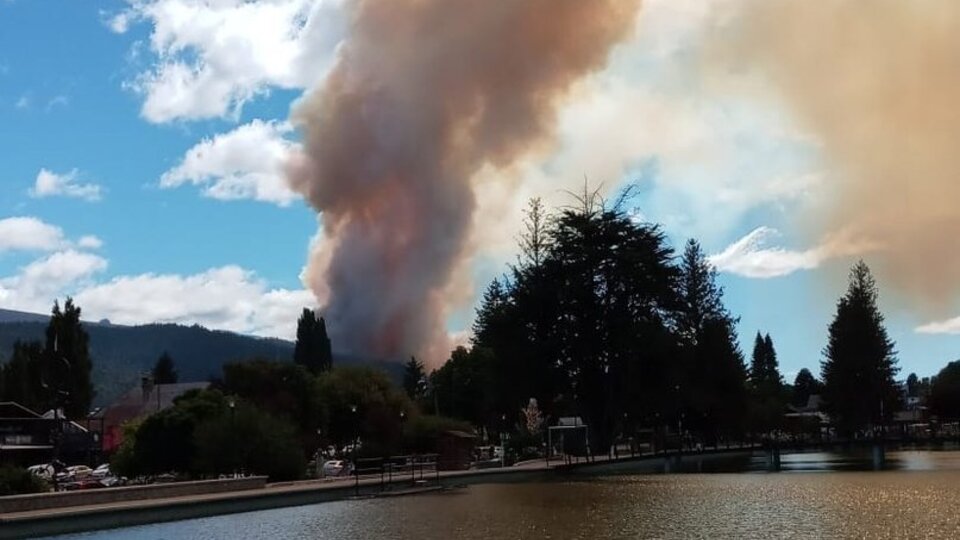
67,364
313,347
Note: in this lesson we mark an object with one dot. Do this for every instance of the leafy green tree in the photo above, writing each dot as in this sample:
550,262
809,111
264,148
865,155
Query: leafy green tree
362,403
460,387
246,439
945,392
313,348
804,386
164,371
860,364
67,364
124,462
164,442
282,389
414,379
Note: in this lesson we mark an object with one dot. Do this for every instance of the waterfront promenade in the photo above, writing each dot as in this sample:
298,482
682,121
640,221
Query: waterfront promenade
86,517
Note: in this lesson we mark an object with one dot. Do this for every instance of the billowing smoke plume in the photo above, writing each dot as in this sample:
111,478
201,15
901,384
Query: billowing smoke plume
878,84
424,94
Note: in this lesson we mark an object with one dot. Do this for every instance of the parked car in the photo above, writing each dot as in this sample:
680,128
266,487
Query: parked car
336,467
44,470
102,471
79,471
85,483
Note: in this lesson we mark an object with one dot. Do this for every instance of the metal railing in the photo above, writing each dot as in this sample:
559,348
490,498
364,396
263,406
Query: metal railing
419,469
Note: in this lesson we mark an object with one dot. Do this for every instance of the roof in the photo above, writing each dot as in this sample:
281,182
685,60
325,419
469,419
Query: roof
460,434
812,405
570,421
12,409
136,402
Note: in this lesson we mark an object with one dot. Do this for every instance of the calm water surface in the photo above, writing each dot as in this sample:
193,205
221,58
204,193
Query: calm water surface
919,499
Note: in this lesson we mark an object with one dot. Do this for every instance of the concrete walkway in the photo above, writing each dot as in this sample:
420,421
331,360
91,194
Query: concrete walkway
129,513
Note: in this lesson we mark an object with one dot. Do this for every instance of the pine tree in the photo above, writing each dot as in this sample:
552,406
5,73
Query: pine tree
164,371
714,378
414,379
860,363
313,348
773,367
758,361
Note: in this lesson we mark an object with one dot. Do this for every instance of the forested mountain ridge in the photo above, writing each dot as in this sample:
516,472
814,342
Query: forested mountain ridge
122,353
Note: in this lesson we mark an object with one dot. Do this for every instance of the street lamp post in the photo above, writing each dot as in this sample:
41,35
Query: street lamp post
679,422
503,446
319,455
356,437
232,403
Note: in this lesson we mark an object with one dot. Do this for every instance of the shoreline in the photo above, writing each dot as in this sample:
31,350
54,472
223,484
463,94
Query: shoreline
84,518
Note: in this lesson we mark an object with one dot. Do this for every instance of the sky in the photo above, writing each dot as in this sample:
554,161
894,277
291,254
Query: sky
143,146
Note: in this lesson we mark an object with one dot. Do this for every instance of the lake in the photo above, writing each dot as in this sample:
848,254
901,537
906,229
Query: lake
818,495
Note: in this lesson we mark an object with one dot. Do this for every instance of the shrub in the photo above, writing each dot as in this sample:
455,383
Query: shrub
18,481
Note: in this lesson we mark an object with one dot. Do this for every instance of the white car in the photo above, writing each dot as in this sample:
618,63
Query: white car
44,470
102,471
76,472
335,467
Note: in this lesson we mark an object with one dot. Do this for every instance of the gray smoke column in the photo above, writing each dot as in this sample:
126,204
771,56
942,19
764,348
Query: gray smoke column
424,94
877,83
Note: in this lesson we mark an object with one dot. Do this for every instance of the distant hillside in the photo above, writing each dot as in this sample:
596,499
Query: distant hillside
9,315
122,353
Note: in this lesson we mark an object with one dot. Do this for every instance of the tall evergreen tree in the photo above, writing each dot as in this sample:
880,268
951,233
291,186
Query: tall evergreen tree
313,347
764,368
67,363
758,360
860,363
714,376
164,371
773,366
414,379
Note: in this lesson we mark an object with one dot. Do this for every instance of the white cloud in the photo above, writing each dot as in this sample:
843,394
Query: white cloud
949,326
89,242
23,102
246,163
228,298
57,101
213,57
50,184
750,257
37,284
29,234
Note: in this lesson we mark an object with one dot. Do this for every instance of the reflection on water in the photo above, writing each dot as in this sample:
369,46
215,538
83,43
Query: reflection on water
918,500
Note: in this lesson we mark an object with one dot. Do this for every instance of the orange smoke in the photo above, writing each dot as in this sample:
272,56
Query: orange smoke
424,94
877,83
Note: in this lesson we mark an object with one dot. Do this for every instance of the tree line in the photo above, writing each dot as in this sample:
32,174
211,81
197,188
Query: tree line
600,318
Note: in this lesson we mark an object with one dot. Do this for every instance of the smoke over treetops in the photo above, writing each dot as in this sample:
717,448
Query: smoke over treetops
876,83
425,94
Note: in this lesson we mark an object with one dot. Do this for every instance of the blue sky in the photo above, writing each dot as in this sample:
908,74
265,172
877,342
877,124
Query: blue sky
142,163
